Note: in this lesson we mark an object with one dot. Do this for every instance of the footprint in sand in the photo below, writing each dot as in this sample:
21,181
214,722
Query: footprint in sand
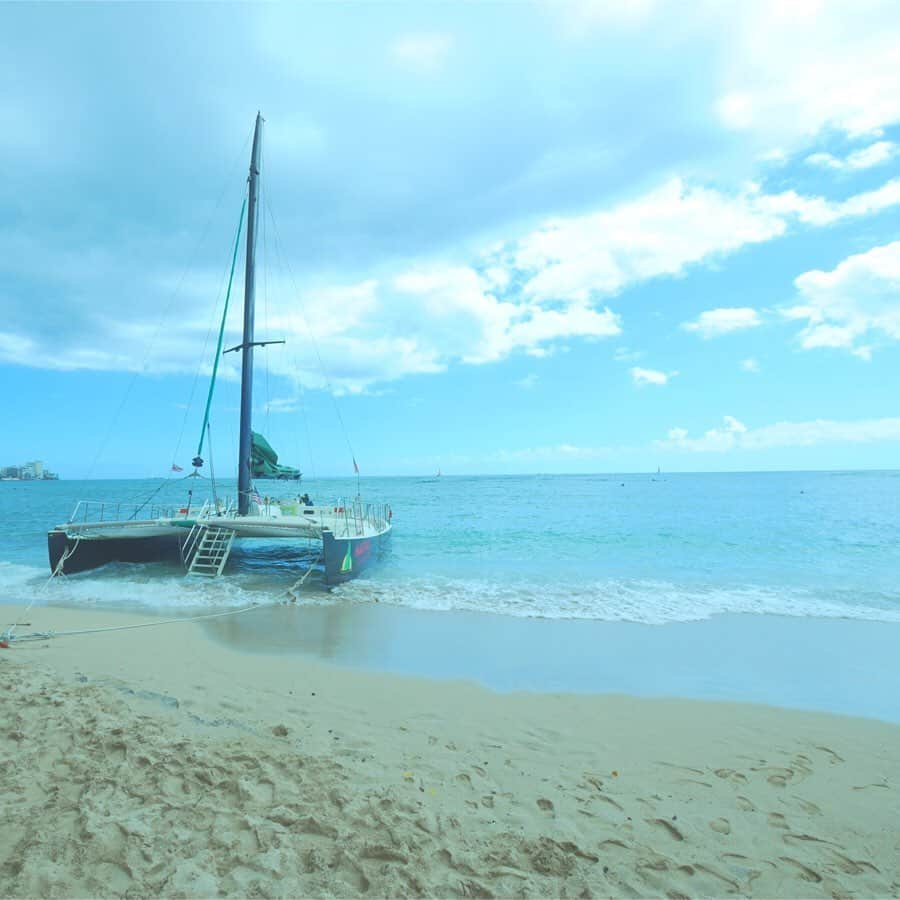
744,804
722,826
777,820
835,758
777,776
806,873
799,839
545,805
667,826
854,866
731,775
809,808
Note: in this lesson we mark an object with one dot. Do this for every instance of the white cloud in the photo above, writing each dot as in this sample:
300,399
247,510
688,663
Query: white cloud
750,364
282,405
716,322
576,320
793,72
580,17
422,52
776,155
529,295
650,376
819,211
580,258
660,233
856,302
734,435
873,155
625,355
716,439
529,381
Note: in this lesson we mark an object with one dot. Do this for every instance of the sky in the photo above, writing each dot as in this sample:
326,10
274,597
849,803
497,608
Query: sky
496,238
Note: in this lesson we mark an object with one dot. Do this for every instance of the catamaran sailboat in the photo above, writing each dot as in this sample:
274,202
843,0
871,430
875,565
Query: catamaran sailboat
353,534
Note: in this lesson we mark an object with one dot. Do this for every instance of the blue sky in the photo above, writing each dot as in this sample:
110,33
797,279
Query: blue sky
497,238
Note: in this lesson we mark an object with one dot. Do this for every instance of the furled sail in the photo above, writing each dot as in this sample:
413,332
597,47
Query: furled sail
264,461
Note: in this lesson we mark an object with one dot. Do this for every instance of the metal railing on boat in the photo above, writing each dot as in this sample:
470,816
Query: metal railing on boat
110,511
354,516
91,511
347,518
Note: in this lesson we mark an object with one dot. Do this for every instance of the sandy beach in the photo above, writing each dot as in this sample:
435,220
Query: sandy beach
158,761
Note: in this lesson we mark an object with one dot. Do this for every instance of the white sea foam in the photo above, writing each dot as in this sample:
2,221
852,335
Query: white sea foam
130,587
646,601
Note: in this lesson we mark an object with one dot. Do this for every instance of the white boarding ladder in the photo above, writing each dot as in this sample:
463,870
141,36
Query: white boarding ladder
208,550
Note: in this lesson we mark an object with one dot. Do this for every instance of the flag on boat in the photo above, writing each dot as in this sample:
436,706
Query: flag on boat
254,496
176,468
355,466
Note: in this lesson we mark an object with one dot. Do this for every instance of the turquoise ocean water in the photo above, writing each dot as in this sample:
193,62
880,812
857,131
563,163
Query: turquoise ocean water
650,549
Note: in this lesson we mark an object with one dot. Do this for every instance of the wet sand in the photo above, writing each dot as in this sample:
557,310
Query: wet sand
832,665
162,761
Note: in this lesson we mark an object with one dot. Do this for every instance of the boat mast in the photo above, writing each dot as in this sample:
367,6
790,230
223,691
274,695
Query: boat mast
248,343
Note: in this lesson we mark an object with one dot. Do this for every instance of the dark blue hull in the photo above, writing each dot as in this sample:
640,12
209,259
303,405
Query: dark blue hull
91,554
345,558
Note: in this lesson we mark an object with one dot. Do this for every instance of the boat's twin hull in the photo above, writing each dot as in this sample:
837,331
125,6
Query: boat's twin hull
344,558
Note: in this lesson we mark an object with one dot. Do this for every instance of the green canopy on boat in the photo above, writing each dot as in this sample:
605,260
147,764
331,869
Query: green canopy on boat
264,461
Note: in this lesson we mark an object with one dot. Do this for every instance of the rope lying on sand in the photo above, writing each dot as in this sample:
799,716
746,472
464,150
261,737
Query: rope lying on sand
11,637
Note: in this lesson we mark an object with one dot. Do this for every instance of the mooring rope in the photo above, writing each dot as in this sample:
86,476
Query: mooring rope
45,635
300,581
10,637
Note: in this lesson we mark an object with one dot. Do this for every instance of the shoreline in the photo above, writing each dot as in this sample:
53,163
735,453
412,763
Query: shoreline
829,665
159,761
841,666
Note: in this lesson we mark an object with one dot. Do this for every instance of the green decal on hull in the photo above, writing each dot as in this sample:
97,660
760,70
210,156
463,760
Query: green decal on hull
347,564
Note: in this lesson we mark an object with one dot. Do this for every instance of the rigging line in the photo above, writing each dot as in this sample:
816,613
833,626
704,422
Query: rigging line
167,309
165,481
199,370
312,337
188,407
212,381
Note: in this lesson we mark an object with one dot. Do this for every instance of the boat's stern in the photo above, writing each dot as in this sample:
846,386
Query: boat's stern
347,557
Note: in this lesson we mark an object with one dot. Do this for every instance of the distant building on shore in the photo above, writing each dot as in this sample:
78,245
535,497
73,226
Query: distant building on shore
30,471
